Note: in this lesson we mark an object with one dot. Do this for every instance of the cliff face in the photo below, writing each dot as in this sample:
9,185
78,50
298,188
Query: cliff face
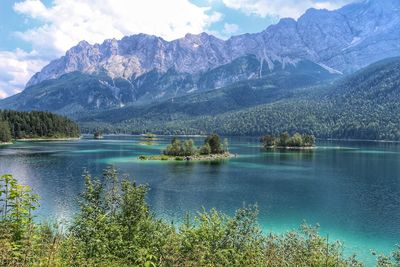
146,68
345,40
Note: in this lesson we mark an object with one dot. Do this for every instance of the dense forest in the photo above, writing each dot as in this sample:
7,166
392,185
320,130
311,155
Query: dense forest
115,227
363,105
35,124
5,132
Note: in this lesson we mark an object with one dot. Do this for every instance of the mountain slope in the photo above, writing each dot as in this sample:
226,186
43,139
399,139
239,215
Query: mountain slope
345,39
363,105
76,94
143,68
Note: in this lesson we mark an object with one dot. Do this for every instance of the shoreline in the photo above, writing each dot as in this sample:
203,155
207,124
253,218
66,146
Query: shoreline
211,157
6,143
47,139
250,136
290,148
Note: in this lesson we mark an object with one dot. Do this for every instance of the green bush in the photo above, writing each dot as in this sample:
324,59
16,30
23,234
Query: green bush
115,227
164,157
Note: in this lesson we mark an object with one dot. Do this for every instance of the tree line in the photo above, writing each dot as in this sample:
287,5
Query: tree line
35,124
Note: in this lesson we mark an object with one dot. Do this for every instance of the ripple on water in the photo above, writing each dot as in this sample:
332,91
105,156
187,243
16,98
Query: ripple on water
348,187
375,152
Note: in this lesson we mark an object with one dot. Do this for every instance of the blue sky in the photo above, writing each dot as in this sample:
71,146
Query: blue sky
33,32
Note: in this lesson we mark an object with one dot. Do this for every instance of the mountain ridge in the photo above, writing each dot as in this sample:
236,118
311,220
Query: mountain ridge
322,36
74,93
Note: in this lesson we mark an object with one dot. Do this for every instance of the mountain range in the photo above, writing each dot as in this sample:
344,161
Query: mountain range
129,79
362,105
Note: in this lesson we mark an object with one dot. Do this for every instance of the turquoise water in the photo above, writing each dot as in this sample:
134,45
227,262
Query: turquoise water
352,189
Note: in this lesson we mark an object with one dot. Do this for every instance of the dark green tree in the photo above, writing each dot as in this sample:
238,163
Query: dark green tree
284,139
296,140
5,132
268,141
308,140
214,140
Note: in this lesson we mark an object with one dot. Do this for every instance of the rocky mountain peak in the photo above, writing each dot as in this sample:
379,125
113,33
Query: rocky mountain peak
343,40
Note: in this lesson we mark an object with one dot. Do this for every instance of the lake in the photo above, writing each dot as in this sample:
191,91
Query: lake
352,189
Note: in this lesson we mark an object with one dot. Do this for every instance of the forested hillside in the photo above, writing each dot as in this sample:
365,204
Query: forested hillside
363,105
35,124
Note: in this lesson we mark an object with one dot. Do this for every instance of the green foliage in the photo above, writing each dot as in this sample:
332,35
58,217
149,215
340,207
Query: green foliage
5,132
187,148
38,124
115,227
214,140
176,148
388,261
359,106
205,149
18,234
285,140
268,141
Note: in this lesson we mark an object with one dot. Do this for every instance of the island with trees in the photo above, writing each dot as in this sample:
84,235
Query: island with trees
212,149
98,135
148,139
35,125
286,141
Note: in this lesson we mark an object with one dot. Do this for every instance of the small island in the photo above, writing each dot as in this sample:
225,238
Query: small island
285,141
178,150
148,139
98,135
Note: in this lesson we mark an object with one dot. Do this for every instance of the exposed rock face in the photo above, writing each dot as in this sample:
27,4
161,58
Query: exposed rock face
146,68
345,39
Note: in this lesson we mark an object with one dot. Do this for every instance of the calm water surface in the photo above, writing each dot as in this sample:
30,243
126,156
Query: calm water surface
352,189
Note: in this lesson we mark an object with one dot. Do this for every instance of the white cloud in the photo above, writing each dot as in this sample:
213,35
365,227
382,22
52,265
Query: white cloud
288,8
65,23
15,69
230,28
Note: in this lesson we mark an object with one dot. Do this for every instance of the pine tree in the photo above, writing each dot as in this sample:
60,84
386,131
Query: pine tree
5,132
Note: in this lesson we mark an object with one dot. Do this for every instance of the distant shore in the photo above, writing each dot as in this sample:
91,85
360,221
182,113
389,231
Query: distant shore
210,157
5,143
48,139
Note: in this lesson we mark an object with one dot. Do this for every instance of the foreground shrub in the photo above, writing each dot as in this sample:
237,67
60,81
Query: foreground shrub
116,228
